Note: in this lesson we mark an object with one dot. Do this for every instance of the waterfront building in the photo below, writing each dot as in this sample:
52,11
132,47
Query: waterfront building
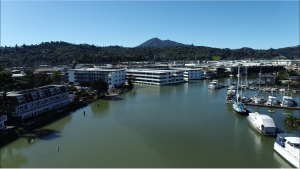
191,74
156,77
30,103
84,77
208,74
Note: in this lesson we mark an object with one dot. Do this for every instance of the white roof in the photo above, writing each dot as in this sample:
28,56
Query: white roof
293,139
288,136
267,120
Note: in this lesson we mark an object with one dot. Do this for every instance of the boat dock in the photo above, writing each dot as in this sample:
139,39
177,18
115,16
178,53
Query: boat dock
273,106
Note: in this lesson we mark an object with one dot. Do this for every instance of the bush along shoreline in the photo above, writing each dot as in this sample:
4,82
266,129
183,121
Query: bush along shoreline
42,120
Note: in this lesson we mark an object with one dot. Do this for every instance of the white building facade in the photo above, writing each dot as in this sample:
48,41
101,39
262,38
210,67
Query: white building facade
156,77
29,103
84,77
191,74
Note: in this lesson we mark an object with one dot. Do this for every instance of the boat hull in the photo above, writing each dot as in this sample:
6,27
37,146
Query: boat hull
286,155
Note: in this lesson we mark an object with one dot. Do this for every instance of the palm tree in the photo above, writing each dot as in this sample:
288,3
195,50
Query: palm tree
291,120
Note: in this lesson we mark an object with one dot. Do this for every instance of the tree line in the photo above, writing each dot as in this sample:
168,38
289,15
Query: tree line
64,53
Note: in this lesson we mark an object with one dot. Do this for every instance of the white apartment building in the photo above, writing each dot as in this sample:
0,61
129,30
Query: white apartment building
84,77
29,103
156,77
191,74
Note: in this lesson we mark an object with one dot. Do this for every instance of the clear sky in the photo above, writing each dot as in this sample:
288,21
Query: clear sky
221,24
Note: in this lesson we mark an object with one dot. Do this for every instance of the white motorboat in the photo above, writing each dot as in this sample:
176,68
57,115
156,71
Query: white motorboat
214,85
272,99
282,90
288,146
258,99
274,90
288,100
252,88
262,123
231,75
230,98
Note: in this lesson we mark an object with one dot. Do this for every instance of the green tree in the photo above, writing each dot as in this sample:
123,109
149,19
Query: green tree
7,83
293,121
74,64
130,81
42,78
100,85
29,77
56,76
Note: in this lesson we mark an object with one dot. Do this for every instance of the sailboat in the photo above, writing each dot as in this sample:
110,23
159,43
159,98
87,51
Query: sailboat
258,99
246,98
237,105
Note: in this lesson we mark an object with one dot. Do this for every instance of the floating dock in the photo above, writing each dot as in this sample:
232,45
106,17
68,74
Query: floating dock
272,106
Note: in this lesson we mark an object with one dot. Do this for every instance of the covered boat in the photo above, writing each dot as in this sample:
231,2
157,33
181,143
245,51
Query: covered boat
262,123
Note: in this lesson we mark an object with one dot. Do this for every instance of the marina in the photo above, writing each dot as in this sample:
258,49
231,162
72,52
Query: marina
157,126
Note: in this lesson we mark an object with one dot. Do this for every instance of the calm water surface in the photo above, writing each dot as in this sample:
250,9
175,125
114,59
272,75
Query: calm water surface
182,125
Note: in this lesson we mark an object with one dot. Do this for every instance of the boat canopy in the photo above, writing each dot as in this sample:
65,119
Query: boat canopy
267,120
294,140
285,135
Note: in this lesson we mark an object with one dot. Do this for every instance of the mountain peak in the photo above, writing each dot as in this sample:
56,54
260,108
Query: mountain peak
156,42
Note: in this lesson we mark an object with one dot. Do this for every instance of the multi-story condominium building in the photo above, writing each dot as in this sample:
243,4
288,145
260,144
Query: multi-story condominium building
84,77
3,118
29,103
191,74
156,77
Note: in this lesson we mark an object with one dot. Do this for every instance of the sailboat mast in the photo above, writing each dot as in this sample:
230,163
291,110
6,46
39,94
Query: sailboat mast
237,86
259,80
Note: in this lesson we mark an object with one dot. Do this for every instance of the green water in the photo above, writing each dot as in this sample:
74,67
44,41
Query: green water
184,125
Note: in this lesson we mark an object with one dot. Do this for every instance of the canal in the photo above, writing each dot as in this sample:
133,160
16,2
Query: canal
183,125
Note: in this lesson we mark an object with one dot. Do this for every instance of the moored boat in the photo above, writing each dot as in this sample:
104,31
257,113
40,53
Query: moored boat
214,85
288,100
262,123
230,97
237,105
288,146
272,99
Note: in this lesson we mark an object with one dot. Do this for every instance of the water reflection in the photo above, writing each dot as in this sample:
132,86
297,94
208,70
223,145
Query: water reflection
272,110
12,161
43,134
287,111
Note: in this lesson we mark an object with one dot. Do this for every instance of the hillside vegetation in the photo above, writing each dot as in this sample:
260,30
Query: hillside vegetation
63,52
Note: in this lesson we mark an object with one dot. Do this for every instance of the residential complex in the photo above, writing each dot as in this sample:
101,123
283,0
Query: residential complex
29,103
84,77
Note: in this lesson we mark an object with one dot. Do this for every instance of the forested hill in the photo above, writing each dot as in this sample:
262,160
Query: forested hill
62,52
155,42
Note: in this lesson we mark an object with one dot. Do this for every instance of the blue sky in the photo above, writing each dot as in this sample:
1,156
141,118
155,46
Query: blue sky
222,24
